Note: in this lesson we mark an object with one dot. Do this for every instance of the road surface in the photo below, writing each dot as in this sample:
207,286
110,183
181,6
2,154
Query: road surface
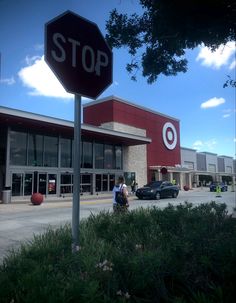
19,221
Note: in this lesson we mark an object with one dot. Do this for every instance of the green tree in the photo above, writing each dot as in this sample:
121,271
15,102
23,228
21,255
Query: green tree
158,39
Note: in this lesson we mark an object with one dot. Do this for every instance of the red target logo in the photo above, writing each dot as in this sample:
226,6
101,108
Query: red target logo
169,135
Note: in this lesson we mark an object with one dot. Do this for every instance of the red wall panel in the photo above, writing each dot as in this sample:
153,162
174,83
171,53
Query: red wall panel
123,112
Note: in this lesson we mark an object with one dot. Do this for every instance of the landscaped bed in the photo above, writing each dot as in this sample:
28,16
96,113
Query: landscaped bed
178,254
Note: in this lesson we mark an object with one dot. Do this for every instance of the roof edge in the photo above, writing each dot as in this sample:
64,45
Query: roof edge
115,98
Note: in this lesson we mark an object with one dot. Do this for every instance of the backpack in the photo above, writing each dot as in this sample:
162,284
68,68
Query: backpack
120,197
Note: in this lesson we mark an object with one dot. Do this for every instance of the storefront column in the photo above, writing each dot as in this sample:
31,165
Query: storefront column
8,177
171,177
93,185
156,173
181,180
197,180
233,186
190,180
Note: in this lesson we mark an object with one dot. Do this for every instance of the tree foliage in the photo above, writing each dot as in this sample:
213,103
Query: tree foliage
166,29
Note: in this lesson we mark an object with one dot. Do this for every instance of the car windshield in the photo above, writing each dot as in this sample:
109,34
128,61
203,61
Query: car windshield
154,184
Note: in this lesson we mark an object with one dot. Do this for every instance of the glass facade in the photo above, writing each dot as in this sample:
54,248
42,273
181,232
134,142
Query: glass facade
28,149
108,156
118,157
99,155
35,150
45,164
87,155
50,151
66,152
66,183
18,150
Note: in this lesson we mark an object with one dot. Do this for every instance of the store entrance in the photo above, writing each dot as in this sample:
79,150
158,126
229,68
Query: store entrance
27,183
22,184
104,182
46,183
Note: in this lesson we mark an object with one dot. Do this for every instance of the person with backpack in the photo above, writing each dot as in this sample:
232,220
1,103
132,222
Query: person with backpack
120,195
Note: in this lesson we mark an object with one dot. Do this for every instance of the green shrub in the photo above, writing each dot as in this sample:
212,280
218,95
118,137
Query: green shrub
178,254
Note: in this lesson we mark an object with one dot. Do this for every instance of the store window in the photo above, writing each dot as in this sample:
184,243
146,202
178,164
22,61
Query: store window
104,182
28,184
108,156
99,155
212,168
66,152
66,183
85,183
87,155
111,182
18,148
50,151
17,184
35,150
52,184
189,165
118,157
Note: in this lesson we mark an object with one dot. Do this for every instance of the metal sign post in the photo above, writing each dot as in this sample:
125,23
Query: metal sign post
81,59
76,181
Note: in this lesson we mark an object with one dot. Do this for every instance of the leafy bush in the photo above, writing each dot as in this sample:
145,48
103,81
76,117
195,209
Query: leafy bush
178,254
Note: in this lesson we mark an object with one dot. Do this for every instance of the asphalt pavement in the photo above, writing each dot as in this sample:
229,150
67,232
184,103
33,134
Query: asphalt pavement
20,220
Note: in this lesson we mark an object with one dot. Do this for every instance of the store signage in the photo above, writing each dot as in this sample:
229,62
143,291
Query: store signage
169,135
78,54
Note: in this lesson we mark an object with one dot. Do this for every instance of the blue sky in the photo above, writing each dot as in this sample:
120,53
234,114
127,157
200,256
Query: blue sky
206,110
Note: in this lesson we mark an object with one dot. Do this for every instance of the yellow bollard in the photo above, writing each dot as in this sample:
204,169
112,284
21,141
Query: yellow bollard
218,191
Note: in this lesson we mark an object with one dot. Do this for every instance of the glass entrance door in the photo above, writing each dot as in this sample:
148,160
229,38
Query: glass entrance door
17,184
22,184
28,184
52,184
104,182
42,184
47,184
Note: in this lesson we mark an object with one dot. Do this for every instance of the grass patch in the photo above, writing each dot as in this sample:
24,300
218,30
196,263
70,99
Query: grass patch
178,254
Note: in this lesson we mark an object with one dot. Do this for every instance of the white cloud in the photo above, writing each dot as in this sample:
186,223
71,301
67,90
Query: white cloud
219,57
228,112
8,81
197,145
205,145
41,80
213,102
233,65
39,47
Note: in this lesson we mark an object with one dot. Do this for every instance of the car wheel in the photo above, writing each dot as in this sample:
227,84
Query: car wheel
175,194
158,196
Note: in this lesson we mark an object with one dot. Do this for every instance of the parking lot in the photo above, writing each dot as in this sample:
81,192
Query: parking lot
20,220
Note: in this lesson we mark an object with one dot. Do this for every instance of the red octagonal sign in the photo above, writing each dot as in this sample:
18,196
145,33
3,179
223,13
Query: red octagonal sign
78,54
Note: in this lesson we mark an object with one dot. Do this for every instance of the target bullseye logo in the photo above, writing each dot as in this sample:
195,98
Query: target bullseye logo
169,135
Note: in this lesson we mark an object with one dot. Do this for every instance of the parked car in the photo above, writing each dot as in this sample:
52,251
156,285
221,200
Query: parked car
223,186
158,190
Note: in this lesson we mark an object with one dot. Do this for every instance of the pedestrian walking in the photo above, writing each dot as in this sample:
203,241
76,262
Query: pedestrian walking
120,196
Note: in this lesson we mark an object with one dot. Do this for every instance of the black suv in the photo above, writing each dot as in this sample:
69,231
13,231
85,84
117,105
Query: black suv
158,190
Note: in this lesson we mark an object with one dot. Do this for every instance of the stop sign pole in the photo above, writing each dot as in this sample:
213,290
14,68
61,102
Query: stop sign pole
79,56
76,168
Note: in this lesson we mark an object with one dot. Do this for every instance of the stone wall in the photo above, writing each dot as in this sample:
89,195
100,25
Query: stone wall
134,157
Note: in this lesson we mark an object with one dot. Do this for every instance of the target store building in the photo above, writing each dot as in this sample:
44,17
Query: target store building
117,137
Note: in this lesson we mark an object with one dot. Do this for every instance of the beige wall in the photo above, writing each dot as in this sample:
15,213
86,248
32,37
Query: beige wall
135,157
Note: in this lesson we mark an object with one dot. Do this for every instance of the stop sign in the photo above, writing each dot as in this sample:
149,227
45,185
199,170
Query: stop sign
78,54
